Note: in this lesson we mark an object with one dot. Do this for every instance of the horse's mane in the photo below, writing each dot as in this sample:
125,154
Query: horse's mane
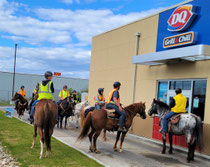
162,104
130,108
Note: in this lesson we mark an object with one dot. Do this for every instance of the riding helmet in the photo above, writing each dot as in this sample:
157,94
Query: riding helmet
100,90
22,87
74,91
48,74
178,90
65,86
117,84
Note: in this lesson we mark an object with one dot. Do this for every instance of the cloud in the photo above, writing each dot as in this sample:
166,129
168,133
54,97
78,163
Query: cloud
56,39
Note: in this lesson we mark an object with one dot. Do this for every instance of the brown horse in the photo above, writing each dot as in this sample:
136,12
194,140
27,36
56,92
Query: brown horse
22,104
44,121
98,120
83,119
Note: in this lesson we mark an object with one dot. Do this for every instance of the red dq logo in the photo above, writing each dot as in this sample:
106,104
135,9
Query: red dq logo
181,18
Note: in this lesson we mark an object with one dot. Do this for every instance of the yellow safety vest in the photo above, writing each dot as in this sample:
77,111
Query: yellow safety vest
34,92
63,94
180,104
110,97
45,91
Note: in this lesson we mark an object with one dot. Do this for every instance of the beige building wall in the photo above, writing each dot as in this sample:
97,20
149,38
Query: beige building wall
111,61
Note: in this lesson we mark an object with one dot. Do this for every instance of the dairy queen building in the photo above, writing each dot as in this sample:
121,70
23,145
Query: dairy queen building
153,56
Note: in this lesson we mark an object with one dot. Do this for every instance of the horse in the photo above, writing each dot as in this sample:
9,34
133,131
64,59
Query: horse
65,109
98,120
22,104
77,110
189,125
44,121
83,119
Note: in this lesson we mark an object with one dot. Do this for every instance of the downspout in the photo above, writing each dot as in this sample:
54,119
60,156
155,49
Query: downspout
138,34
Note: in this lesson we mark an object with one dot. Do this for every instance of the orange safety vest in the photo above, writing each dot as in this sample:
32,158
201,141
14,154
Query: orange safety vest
67,95
100,98
22,92
110,97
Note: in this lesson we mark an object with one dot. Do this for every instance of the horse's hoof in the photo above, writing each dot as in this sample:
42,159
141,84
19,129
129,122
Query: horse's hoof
97,152
170,152
40,157
115,149
121,150
162,152
91,149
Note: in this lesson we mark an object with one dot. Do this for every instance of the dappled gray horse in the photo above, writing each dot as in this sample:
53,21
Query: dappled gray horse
189,125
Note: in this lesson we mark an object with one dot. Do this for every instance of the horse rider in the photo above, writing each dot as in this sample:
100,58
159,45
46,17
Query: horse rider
113,102
178,105
46,90
99,99
64,93
74,97
21,92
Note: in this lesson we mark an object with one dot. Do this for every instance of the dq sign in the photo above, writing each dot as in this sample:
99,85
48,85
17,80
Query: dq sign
181,18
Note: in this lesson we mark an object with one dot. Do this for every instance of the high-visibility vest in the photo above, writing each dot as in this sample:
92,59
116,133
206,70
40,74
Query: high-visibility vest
22,92
34,92
110,97
45,92
180,104
75,100
100,98
64,94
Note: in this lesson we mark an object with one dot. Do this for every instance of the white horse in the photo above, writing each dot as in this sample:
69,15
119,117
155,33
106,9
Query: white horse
77,110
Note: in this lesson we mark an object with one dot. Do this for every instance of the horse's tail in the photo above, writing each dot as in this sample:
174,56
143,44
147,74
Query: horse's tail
198,130
46,123
86,127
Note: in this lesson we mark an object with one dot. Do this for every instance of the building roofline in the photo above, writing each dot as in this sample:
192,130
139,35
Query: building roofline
40,75
163,10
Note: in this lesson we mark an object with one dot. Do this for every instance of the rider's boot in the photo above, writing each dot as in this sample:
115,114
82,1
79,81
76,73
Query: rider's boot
31,119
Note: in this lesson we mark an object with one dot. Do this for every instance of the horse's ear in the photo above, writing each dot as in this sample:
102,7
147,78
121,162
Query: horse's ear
154,100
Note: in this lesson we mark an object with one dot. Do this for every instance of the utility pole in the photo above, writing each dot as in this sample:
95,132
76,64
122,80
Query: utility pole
13,86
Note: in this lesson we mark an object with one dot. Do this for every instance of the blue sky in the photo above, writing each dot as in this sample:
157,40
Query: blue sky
56,34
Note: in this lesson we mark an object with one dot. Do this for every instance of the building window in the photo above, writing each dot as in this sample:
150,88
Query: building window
194,90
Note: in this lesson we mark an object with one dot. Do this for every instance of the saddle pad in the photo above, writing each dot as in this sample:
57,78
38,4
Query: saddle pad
89,109
110,113
175,119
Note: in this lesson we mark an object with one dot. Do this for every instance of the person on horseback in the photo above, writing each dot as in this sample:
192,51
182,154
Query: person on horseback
74,97
113,102
177,105
99,99
21,92
46,90
64,93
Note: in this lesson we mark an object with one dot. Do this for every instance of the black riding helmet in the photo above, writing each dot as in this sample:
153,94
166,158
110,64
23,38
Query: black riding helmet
178,90
100,90
117,84
22,87
48,74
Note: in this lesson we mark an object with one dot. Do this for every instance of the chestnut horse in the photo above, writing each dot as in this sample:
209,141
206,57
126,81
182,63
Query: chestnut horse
44,121
22,104
98,120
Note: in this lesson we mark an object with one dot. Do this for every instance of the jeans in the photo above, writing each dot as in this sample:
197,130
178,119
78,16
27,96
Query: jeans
98,107
165,121
121,113
33,107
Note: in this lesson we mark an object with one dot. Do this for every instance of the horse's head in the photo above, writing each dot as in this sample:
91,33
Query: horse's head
141,110
158,107
16,96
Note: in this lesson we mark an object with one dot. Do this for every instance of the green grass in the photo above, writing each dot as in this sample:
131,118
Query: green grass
16,137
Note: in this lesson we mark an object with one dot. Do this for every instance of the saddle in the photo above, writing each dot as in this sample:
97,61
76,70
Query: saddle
88,109
175,119
111,113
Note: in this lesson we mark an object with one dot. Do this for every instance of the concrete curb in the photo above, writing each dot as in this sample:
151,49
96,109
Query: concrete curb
84,153
178,148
